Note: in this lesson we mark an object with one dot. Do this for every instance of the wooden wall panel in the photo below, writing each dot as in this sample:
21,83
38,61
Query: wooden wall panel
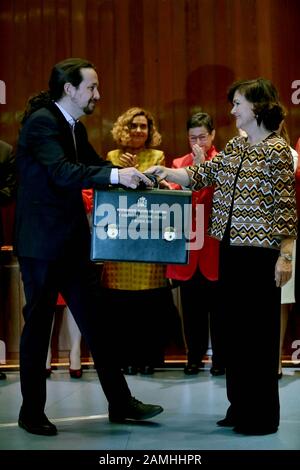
150,43
165,70
168,55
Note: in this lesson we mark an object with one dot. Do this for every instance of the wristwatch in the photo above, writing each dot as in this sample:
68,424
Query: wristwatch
286,256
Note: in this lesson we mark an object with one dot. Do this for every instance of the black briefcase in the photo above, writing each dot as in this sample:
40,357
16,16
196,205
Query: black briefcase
149,225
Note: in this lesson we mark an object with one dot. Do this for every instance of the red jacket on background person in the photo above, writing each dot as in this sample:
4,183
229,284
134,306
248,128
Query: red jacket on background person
207,258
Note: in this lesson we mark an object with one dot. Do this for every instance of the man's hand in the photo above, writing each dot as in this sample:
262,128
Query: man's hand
131,178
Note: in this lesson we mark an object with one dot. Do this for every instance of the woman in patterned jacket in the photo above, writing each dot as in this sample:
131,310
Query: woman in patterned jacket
254,216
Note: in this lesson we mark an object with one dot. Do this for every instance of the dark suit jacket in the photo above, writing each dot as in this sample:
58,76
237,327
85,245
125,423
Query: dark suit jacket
7,178
50,214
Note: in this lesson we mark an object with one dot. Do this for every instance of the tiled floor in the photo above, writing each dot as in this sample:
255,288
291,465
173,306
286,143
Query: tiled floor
192,406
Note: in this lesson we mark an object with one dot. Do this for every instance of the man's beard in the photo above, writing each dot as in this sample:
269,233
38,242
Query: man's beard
87,109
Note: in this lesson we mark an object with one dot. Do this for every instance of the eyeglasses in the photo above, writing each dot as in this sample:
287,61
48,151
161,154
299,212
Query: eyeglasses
201,137
133,126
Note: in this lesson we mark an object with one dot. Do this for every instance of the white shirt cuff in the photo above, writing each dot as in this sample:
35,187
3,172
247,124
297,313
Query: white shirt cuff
114,176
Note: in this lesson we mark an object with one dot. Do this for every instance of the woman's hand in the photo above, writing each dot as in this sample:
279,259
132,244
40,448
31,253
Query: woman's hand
129,160
198,154
161,172
283,271
175,175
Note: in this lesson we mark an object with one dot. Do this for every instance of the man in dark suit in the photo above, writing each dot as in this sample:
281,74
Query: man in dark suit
7,188
55,162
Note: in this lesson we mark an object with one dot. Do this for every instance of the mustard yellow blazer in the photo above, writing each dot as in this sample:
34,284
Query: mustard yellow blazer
135,276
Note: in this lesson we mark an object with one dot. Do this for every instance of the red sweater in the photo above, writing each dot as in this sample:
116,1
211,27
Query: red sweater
207,258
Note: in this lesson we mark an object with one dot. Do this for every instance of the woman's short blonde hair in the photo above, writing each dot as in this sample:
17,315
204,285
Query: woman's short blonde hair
121,128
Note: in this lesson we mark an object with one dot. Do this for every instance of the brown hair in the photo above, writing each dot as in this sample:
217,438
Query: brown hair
121,128
264,96
68,70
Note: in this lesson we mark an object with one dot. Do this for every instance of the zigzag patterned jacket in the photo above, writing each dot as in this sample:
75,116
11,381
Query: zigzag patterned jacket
255,185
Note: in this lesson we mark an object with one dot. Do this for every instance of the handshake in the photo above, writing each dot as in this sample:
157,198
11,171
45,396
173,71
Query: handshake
154,180
132,178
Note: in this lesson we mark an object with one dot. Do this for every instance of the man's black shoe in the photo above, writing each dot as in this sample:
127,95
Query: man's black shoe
2,376
40,426
135,410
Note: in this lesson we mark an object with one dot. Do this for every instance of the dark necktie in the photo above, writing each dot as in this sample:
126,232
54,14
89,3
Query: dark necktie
72,125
